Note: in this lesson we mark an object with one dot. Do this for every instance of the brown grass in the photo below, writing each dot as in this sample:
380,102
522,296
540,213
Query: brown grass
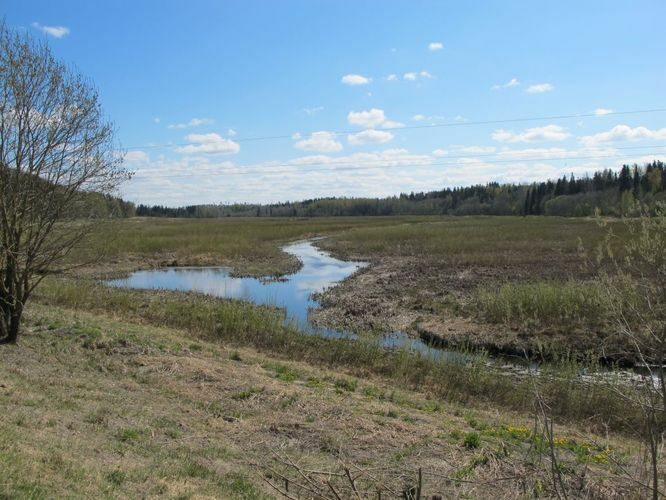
94,406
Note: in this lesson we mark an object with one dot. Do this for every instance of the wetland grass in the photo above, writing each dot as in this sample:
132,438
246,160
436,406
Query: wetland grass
241,324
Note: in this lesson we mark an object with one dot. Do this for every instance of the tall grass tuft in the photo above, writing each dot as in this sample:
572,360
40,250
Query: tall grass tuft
546,303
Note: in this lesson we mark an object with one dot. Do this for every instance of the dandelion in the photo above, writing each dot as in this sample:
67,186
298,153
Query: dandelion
561,441
518,431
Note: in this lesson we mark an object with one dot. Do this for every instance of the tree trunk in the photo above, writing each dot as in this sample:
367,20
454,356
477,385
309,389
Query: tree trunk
14,328
11,327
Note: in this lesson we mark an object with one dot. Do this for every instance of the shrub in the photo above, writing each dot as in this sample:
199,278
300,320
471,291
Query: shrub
472,440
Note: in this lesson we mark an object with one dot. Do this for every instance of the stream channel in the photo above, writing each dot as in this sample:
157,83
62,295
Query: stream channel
293,292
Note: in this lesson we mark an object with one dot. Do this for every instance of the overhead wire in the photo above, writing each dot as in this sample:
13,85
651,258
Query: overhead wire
382,161
417,127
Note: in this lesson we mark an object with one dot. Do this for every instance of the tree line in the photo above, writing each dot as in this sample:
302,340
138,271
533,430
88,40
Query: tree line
613,193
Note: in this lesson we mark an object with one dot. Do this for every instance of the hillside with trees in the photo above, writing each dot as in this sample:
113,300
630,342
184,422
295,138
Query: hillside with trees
612,193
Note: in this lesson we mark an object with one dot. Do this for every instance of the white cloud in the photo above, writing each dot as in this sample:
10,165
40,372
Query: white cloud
432,119
540,88
370,136
207,179
514,82
547,133
435,46
202,179
624,133
477,149
136,157
355,80
602,111
372,118
231,132
54,31
313,111
322,141
414,75
209,144
368,119
539,153
440,152
194,122
392,77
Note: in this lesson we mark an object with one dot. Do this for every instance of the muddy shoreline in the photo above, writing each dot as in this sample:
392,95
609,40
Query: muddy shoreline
433,303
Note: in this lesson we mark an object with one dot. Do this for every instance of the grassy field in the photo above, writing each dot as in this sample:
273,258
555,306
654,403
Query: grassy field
429,275
242,324
477,241
455,240
441,278
121,393
251,246
94,406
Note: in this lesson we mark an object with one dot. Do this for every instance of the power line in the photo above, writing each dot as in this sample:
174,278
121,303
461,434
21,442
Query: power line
383,161
426,126
412,165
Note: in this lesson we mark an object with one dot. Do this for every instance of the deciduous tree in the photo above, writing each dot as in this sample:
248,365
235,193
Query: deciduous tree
55,146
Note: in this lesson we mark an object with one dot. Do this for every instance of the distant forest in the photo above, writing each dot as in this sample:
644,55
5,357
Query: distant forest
609,192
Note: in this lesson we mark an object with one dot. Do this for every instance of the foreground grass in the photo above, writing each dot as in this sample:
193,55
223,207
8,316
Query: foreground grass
244,324
98,407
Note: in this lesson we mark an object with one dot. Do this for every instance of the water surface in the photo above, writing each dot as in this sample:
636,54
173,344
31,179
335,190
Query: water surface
293,293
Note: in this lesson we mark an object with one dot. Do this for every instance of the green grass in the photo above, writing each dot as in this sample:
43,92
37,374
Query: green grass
484,241
545,303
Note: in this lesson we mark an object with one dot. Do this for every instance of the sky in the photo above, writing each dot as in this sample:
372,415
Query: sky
277,100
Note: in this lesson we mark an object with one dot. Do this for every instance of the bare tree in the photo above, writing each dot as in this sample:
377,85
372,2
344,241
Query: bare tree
55,146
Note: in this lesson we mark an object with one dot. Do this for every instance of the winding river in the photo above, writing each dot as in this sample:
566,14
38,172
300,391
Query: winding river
293,292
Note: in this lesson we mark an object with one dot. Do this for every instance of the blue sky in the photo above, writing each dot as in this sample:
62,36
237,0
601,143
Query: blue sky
195,88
